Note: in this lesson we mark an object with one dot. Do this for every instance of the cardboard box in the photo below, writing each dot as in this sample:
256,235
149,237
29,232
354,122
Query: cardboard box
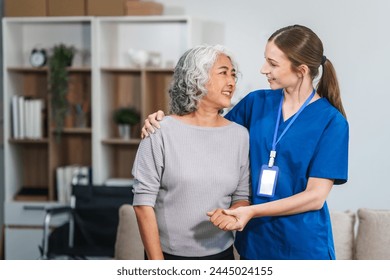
25,8
67,8
106,7
144,8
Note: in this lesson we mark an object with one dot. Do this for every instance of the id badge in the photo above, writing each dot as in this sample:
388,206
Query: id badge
267,180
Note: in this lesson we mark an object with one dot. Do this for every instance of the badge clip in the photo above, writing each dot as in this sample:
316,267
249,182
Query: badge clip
272,156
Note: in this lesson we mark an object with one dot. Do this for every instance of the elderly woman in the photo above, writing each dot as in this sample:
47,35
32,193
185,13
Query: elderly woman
194,167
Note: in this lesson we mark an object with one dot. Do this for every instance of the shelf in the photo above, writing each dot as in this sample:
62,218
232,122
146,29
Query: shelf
75,130
118,141
26,69
50,20
120,70
160,70
29,141
136,70
32,194
33,162
79,69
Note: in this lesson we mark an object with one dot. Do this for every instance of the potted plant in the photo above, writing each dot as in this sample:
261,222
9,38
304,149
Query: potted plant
125,118
60,59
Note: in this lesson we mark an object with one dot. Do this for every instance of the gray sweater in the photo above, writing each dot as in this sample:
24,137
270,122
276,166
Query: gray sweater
184,171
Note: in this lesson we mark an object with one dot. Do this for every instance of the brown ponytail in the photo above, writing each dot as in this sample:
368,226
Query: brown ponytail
302,46
328,86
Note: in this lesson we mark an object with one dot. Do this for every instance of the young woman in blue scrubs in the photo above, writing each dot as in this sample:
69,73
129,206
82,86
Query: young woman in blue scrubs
291,220
298,151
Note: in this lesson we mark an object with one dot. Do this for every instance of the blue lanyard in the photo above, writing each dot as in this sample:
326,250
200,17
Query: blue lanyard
275,142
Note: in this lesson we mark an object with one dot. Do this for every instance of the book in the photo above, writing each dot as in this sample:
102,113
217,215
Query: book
21,120
60,181
15,116
36,118
39,114
69,175
33,118
27,118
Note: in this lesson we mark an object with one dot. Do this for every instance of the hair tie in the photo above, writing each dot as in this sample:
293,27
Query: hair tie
323,60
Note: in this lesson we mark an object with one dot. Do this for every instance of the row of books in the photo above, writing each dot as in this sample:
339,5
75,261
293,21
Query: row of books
69,175
27,117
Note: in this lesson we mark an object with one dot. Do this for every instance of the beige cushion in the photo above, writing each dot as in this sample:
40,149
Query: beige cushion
128,245
236,254
373,237
343,224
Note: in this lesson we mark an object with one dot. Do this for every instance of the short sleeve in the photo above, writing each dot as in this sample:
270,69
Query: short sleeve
147,170
331,157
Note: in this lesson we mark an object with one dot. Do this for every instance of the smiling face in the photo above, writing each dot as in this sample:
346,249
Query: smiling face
221,84
278,69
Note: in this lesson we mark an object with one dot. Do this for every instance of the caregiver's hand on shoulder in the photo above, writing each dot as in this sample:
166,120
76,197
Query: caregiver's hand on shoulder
152,123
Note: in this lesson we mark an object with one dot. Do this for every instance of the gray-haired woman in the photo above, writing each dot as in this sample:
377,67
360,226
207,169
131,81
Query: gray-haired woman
197,164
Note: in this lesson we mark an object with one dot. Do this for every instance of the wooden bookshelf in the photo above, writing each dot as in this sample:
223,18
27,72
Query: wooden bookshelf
102,78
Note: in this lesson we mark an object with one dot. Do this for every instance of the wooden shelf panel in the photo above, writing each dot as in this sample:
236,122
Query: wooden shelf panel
72,148
120,158
160,70
118,141
75,130
136,70
120,70
79,69
28,141
32,194
26,69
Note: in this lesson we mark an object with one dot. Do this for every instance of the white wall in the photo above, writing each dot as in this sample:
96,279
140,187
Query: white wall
356,39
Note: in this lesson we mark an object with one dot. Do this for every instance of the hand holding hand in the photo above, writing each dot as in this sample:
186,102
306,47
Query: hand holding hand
242,215
219,219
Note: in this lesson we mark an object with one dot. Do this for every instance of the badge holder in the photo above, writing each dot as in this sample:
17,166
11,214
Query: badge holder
268,178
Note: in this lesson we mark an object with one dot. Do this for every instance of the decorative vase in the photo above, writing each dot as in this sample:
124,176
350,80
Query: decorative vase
124,131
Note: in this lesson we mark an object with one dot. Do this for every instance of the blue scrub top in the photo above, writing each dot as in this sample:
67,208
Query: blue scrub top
316,145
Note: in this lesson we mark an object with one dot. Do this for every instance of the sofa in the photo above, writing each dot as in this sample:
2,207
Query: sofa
364,235
361,235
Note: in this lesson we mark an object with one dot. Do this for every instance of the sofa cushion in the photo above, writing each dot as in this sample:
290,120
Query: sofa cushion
373,236
128,245
343,224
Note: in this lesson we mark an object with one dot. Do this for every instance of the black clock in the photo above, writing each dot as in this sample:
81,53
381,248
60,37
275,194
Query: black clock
38,57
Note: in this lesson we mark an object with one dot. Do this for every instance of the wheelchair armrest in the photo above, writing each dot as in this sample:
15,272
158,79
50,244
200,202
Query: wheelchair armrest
54,211
58,210
51,212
